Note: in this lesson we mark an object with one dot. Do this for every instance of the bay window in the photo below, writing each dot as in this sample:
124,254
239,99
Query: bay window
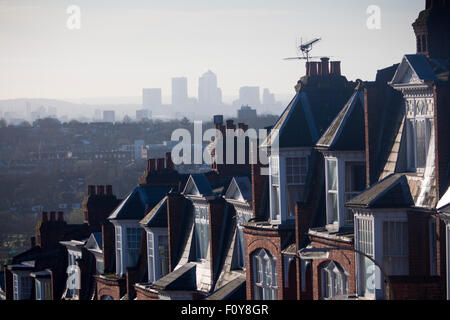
163,253
22,284
265,275
332,192
151,258
275,188
366,268
133,245
43,289
355,183
395,248
296,174
201,231
418,129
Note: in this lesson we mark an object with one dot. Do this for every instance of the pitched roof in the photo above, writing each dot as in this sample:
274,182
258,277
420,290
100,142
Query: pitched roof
95,242
184,278
444,203
198,185
243,186
233,290
136,203
310,112
392,192
346,133
157,217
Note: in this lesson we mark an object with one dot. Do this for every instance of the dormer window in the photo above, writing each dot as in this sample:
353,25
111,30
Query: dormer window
345,179
332,192
201,231
128,243
275,188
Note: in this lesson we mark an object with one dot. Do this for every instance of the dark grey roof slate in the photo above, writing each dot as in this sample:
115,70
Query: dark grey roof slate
233,290
421,66
135,205
392,192
157,217
184,278
346,133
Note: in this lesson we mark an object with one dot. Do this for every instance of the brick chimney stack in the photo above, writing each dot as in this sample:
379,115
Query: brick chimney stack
52,216
109,190
44,216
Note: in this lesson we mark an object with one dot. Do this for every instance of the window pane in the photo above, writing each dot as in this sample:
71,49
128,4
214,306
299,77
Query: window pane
332,175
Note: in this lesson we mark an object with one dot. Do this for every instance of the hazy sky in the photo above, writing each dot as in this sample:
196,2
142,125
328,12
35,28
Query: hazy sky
123,46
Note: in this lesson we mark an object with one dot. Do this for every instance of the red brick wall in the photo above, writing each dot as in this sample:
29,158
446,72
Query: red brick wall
142,294
416,288
269,240
113,288
345,258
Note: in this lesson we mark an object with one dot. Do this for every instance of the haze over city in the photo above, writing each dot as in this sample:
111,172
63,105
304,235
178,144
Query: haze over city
123,47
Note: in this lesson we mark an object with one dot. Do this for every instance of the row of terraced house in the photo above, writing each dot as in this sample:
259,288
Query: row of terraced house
355,205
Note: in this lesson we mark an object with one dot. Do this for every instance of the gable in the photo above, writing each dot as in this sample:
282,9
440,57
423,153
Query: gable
191,188
414,69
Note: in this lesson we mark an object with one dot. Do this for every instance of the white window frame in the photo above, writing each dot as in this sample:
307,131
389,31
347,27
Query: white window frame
275,189
265,285
395,228
40,285
122,245
201,220
151,257
331,274
413,116
22,285
329,192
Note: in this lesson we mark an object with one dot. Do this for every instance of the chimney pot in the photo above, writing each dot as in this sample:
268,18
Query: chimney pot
160,164
109,190
169,162
335,68
230,124
313,68
91,190
44,216
308,68
33,242
60,216
100,190
151,164
52,216
324,66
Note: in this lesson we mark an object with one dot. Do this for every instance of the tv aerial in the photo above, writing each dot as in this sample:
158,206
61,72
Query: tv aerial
305,49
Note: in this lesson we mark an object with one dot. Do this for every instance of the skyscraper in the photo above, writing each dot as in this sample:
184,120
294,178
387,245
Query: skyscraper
268,98
179,91
208,92
151,98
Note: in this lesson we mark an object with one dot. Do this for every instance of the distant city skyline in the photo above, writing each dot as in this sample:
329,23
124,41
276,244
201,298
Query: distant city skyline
122,47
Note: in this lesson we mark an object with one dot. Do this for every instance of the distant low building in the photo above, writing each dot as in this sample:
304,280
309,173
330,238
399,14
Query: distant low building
109,116
246,114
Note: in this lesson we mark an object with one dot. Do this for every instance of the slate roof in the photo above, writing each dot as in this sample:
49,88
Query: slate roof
346,133
233,290
392,192
444,204
201,183
157,217
310,112
184,278
244,185
136,203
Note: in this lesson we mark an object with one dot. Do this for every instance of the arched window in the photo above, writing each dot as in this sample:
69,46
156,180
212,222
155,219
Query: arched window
265,275
334,280
105,297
